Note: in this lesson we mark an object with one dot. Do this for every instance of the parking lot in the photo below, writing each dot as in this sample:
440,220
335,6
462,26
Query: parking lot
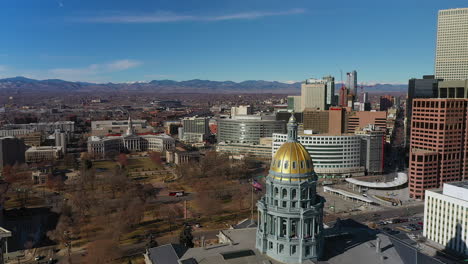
412,226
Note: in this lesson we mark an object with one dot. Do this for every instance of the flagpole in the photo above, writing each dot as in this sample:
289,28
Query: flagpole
251,203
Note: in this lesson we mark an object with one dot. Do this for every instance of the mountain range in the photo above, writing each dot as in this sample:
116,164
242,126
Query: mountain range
22,84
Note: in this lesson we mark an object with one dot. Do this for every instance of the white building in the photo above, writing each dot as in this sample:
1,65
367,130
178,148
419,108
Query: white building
446,216
333,156
452,45
105,147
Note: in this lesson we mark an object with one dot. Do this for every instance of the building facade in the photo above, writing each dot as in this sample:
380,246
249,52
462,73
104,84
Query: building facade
290,215
446,217
372,149
452,45
438,148
43,154
360,119
248,129
11,151
107,147
351,83
295,103
314,94
386,101
194,129
453,89
46,127
102,128
334,156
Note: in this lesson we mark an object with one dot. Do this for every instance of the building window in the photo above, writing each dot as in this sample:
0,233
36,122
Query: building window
285,193
293,194
293,250
270,245
281,248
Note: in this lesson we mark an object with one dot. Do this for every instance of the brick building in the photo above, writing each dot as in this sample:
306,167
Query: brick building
438,149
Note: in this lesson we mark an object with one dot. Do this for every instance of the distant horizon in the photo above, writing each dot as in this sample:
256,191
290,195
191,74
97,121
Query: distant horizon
147,81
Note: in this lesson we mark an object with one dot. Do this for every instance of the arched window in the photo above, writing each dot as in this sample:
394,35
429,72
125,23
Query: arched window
286,164
284,193
293,194
276,191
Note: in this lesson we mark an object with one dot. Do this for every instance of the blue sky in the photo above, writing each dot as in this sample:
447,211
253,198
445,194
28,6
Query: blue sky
138,40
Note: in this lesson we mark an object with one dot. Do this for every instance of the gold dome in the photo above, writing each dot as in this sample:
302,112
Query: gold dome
292,158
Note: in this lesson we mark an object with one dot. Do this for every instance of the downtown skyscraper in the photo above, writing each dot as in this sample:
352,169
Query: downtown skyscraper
452,44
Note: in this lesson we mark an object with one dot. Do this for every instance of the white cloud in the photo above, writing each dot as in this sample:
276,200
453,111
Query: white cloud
167,17
91,71
121,65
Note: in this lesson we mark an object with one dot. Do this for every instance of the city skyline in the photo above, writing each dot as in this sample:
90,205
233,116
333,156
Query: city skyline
99,42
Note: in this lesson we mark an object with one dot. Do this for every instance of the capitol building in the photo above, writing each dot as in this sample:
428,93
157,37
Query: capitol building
108,146
290,220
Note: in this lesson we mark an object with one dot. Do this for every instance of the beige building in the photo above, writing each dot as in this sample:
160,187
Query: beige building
182,156
453,89
314,94
452,44
106,127
44,153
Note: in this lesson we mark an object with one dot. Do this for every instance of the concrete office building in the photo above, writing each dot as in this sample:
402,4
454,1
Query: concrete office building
316,120
453,89
261,150
338,120
15,132
11,151
452,45
314,94
360,119
334,156
294,103
241,110
61,140
427,87
290,228
446,217
248,129
372,149
47,127
102,128
439,144
43,154
195,129
351,83
330,96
